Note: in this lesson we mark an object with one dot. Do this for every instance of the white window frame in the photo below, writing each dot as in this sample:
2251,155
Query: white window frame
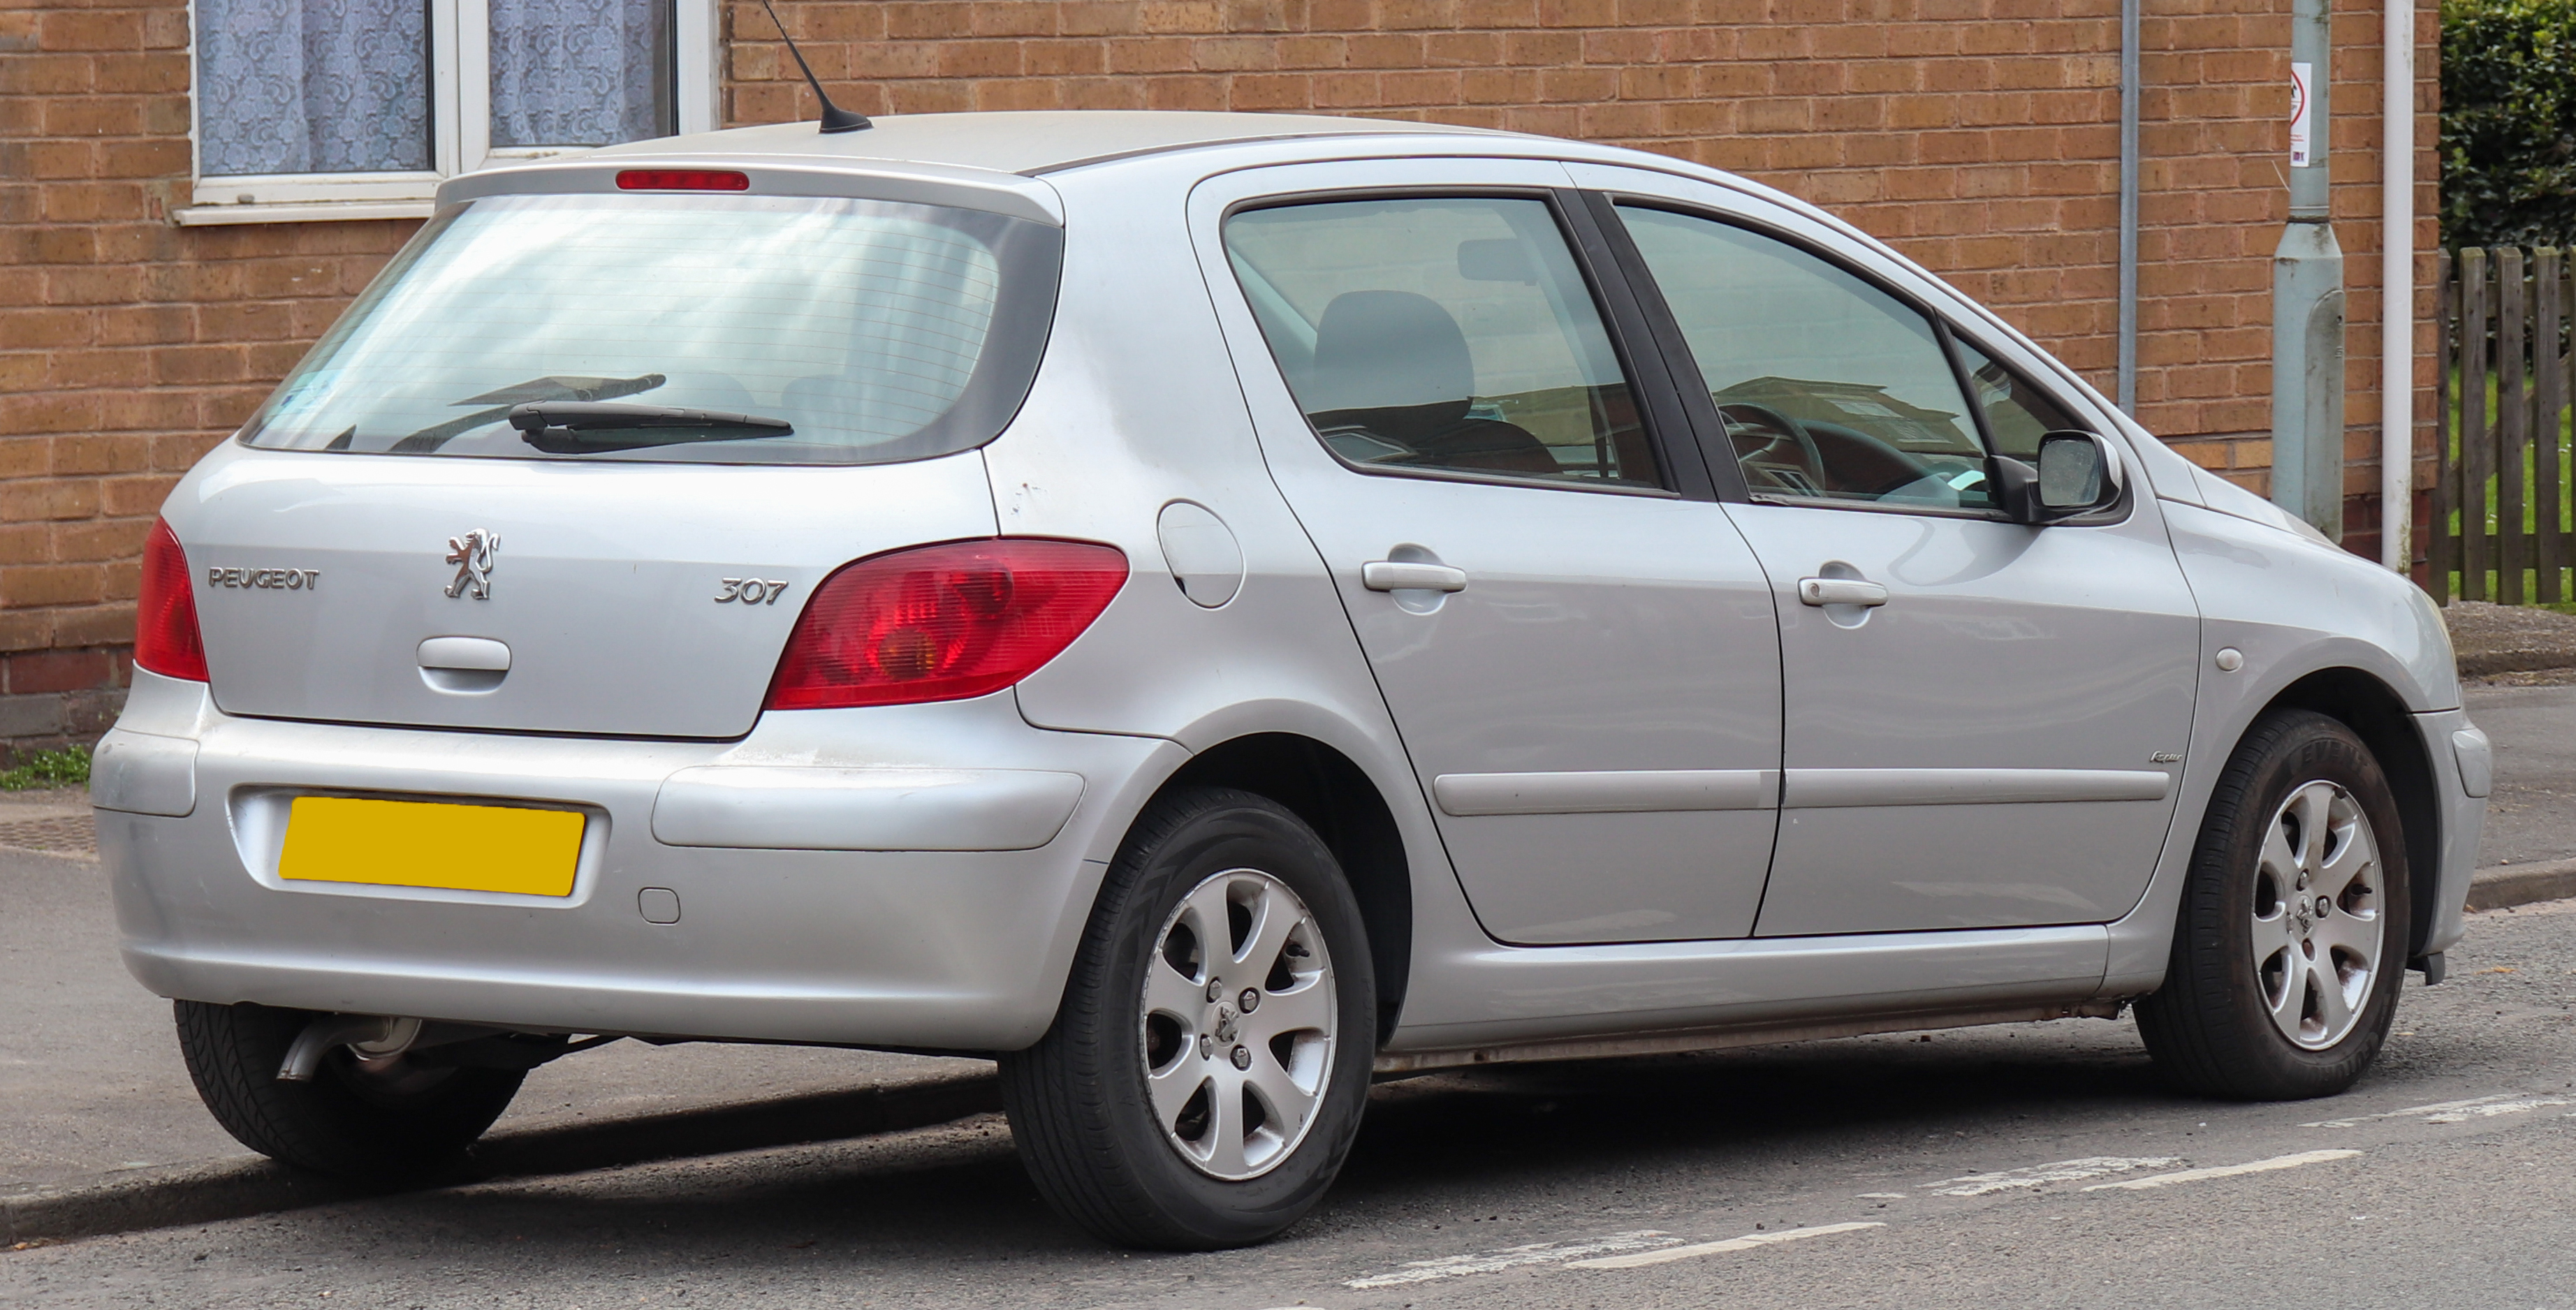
460,44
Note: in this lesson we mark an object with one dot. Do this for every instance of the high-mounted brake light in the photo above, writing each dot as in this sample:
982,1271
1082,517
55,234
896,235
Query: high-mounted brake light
166,639
682,179
943,622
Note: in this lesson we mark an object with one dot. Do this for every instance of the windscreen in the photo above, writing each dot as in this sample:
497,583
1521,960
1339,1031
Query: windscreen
710,329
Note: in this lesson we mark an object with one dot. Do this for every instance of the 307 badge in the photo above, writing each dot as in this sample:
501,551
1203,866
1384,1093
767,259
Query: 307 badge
750,591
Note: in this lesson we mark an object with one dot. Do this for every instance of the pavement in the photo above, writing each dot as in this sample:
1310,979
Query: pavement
2495,639
100,1130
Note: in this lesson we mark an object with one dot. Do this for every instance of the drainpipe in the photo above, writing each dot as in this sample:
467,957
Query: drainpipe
2397,293
2128,383
2307,300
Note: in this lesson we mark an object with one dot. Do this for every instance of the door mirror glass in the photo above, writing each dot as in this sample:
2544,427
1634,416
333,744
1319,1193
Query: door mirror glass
2074,475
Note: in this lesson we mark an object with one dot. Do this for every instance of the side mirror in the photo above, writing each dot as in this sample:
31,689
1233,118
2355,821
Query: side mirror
2072,477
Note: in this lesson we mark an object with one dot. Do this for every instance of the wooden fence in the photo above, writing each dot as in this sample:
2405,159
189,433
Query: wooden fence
2500,527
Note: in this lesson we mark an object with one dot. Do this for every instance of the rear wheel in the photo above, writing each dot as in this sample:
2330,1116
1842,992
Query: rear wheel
1206,1073
2292,942
376,1121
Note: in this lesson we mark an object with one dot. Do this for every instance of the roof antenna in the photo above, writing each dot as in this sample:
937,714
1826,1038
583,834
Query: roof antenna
835,118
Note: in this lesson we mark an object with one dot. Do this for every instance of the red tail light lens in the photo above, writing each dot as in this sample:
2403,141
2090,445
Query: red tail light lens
166,640
682,179
943,622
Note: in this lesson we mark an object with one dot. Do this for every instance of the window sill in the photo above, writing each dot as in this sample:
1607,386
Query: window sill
302,211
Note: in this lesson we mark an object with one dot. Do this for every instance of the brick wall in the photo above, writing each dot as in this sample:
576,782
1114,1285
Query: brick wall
1977,135
127,345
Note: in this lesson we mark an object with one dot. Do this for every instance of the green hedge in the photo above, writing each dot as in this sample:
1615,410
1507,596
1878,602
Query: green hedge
64,768
2508,122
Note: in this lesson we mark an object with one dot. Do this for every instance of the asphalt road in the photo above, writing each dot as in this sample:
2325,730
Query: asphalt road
2450,1181
2531,818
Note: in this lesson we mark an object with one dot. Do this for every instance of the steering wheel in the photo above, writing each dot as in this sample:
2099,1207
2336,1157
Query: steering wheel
1763,436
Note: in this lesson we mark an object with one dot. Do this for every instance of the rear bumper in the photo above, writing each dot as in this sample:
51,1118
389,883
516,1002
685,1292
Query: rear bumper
941,945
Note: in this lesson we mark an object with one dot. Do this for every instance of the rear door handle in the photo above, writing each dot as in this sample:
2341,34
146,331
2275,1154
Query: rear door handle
1840,591
1405,575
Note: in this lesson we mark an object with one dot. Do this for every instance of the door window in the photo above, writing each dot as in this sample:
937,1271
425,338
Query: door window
1831,388
1450,333
2017,414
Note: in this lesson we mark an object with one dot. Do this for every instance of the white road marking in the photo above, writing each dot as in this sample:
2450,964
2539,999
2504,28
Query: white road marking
1880,1196
2451,1112
2063,1171
2466,1113
1513,1257
2224,1171
1745,1243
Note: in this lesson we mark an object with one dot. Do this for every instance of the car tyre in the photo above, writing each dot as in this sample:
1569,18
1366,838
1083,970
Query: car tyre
2292,940
1158,1111
380,1122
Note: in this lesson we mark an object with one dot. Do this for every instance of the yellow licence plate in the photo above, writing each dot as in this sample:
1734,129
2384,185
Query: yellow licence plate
469,848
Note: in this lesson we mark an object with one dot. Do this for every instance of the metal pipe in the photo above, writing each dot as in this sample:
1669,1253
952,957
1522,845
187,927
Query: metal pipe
2397,292
2128,331
2307,298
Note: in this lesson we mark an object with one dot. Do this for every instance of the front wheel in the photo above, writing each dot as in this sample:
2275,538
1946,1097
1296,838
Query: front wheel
1205,1075
2292,942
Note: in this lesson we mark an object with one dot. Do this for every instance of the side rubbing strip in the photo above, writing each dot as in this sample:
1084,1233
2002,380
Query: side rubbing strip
1605,792
1816,789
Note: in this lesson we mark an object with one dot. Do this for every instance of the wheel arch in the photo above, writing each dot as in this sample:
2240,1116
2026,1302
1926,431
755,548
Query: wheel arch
2379,716
1334,796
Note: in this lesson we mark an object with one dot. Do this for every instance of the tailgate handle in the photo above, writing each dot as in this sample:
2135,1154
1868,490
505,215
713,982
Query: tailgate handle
1406,575
478,654
1840,591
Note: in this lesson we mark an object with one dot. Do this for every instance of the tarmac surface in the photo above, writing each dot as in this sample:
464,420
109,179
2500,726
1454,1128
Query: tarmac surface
2026,1166
2531,817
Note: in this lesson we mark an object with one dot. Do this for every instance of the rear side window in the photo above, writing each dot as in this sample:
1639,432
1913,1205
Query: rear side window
1452,334
845,331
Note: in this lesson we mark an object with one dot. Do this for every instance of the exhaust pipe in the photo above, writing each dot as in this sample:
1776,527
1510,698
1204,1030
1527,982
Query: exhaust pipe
371,1036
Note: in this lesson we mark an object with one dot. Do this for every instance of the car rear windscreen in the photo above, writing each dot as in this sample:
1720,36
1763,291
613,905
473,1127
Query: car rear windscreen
705,329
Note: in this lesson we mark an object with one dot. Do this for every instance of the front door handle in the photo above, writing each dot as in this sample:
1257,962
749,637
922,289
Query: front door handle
1840,591
1406,575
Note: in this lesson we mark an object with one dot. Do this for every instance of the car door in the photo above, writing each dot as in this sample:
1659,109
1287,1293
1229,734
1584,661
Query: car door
1983,720
1581,660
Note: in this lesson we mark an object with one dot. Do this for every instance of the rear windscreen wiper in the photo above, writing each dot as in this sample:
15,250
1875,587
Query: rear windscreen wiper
429,439
573,427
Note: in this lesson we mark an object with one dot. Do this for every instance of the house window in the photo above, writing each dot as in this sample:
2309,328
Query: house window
359,108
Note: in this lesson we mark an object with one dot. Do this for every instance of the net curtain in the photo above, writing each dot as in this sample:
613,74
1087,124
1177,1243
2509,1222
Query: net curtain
580,72
312,86
343,86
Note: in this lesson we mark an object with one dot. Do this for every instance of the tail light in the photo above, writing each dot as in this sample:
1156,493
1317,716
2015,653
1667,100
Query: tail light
943,622
166,640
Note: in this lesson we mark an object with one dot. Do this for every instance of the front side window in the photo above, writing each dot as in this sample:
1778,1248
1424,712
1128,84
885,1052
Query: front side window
796,330
1832,390
1450,334
377,100
2017,413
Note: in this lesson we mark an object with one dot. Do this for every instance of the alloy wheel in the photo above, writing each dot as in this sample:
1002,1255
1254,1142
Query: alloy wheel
2318,928
1239,1024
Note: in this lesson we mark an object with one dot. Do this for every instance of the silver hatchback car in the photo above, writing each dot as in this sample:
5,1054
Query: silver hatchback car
1211,609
